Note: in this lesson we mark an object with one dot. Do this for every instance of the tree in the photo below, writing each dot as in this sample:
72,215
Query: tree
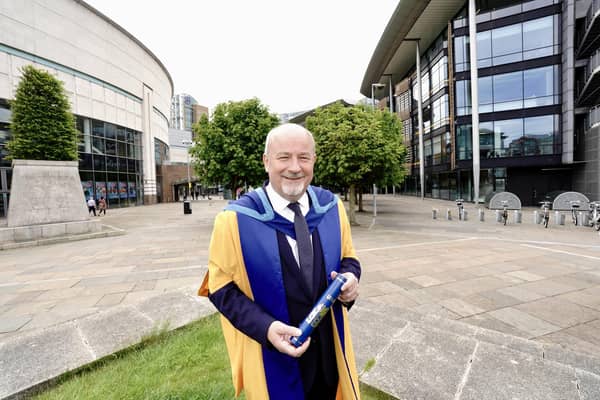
229,147
42,125
357,146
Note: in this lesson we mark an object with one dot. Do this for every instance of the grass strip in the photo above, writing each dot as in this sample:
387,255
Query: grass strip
190,363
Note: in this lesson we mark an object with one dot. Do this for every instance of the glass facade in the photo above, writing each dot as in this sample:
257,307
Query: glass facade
518,137
508,44
110,162
511,91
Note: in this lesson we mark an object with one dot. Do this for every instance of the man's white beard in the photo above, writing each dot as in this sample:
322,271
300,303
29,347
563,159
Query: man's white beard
293,189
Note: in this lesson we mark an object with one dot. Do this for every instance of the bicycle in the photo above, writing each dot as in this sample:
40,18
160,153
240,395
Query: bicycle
574,208
595,215
545,212
461,209
505,211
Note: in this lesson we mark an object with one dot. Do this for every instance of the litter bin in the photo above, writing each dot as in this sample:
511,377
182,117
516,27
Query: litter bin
187,207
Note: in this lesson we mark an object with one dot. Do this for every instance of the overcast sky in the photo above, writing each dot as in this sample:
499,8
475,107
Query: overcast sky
292,55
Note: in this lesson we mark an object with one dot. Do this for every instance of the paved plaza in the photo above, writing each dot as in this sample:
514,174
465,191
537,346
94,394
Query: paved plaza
520,280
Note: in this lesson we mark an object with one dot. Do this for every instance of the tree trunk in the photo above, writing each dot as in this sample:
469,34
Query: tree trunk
351,205
360,201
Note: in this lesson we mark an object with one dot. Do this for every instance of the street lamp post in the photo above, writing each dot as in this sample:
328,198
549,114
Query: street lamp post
188,143
373,87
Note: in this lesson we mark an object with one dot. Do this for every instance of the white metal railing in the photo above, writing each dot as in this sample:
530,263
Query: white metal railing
594,117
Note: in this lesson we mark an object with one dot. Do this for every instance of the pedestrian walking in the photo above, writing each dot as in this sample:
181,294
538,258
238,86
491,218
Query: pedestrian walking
91,203
101,206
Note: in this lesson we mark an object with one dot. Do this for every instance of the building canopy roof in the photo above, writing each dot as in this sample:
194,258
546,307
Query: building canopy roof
395,53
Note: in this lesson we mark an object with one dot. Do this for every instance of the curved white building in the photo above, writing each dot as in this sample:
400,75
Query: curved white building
119,90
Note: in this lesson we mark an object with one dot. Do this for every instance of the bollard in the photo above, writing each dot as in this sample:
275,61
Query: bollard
585,221
562,219
465,213
498,216
448,214
557,216
434,213
481,215
536,217
518,216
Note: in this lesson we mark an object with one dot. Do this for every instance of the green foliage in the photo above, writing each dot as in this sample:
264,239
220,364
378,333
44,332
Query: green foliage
228,148
357,146
42,125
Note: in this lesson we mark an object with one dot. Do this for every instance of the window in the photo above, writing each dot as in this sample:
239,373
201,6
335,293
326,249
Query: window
486,140
538,85
508,91
425,86
463,97
439,74
485,94
539,135
437,150
510,133
523,41
507,44
461,53
439,111
538,37
518,137
464,149
484,49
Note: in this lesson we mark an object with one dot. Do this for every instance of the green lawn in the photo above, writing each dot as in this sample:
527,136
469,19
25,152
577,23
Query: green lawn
190,363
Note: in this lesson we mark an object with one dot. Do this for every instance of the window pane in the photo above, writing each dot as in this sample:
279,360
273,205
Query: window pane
510,133
97,145
538,86
539,134
484,49
508,91
463,142
111,147
485,94
507,44
98,128
486,140
110,130
538,33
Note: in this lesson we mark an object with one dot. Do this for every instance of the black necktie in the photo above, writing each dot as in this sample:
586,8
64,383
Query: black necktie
305,252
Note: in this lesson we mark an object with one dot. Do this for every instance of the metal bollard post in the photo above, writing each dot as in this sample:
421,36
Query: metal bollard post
557,215
448,214
481,215
465,214
498,216
584,218
536,217
434,213
562,219
518,216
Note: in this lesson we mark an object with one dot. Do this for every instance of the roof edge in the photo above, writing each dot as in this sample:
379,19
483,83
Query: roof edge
130,36
403,19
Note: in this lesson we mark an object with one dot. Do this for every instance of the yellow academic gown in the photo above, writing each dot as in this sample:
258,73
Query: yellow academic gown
227,264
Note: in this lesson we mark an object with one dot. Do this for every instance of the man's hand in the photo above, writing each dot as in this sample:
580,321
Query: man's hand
279,334
350,289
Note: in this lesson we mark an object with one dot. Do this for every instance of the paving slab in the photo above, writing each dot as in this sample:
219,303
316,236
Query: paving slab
33,358
422,364
500,373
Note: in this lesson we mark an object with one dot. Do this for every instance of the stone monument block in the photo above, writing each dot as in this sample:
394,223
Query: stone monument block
45,192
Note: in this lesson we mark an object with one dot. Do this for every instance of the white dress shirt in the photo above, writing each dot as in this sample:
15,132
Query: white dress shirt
280,205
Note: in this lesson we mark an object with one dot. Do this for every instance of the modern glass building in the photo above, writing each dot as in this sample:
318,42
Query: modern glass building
537,90
185,112
119,91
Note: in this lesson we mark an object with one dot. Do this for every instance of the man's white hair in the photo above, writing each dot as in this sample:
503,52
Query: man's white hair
286,129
